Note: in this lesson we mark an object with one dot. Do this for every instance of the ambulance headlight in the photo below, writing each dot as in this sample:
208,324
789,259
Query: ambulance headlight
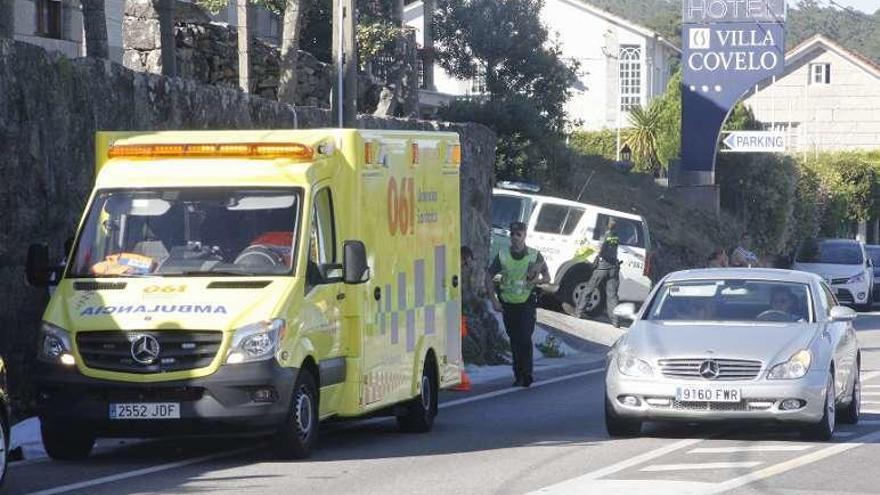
255,342
55,347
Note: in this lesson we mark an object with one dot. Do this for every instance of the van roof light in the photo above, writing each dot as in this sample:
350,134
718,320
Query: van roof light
519,186
204,150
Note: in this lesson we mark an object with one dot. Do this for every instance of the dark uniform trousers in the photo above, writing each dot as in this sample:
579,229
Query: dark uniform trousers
611,277
519,321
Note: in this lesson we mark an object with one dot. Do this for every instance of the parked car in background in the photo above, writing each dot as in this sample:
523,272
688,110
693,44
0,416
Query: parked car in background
733,344
873,251
844,265
568,233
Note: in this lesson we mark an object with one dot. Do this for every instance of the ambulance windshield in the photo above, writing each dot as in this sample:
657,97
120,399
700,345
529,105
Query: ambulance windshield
188,232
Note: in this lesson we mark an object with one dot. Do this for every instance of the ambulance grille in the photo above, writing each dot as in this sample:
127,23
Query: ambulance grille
243,284
178,350
91,286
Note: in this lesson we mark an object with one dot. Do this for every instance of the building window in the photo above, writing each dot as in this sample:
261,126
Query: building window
49,18
478,83
820,73
630,64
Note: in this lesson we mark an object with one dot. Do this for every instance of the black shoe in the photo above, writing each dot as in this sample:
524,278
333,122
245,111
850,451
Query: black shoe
527,382
615,324
517,383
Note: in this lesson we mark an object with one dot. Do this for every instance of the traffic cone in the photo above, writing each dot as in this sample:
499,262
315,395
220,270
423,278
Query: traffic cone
465,385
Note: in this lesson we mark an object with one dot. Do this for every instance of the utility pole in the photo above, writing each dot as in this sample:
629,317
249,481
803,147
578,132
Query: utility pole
345,60
428,45
244,66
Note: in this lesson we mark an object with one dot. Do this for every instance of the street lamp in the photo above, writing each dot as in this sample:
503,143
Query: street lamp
626,154
624,163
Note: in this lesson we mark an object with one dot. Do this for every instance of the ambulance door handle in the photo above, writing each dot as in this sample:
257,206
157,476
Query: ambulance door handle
340,296
377,293
454,281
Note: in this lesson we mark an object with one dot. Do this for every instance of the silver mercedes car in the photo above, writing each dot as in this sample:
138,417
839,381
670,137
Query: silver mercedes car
735,344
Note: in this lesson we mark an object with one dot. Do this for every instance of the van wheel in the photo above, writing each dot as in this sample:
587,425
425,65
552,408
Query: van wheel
300,431
420,412
68,442
594,298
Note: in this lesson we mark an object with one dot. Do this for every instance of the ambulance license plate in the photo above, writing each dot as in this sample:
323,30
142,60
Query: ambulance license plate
707,394
147,410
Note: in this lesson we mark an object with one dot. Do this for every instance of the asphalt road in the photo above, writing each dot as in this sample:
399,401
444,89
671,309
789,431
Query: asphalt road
547,439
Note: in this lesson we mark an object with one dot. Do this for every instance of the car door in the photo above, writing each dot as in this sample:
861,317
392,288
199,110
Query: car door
551,232
842,337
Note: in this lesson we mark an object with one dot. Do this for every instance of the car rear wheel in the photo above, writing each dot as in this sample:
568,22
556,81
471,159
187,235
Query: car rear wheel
299,432
850,414
66,442
824,429
4,445
620,427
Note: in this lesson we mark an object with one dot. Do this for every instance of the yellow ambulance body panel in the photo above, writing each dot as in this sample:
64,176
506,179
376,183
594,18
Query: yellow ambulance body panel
209,274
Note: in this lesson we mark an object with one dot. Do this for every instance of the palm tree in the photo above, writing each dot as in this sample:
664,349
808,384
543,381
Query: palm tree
7,16
642,137
95,27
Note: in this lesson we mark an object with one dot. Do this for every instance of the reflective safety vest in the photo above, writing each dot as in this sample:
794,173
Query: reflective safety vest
515,289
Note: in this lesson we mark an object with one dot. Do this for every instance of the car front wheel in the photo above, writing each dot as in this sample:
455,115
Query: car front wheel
824,429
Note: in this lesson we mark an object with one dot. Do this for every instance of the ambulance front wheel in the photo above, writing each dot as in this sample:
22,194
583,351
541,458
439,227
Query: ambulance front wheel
300,430
66,442
419,413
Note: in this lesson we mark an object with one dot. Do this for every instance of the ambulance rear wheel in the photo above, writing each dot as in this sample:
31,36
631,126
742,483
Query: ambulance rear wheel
66,442
299,432
420,412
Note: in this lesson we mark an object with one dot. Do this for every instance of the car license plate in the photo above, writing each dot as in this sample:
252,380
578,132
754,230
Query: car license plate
707,394
145,410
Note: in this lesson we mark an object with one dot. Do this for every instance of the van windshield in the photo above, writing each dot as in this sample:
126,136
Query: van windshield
507,209
188,232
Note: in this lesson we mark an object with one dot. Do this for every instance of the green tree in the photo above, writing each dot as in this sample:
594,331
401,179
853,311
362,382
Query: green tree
7,18
503,44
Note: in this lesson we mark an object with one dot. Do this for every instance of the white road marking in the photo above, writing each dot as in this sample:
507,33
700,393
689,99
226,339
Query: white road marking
795,463
758,448
141,472
874,402
870,376
576,485
512,390
625,487
870,386
871,394
659,468
868,422
844,434
870,411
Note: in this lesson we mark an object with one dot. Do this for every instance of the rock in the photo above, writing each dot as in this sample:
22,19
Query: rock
140,34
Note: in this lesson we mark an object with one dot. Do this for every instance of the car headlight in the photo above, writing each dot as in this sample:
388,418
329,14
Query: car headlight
796,367
632,366
55,347
255,342
856,279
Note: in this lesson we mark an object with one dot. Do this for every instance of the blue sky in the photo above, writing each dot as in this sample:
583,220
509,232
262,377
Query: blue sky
869,6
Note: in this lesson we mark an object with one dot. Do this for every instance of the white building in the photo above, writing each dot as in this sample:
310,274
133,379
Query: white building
622,64
827,99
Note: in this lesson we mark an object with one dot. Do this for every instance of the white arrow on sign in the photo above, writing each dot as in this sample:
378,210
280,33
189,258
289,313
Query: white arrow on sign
755,142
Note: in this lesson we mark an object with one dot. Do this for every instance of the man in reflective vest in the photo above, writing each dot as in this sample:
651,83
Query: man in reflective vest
607,272
521,269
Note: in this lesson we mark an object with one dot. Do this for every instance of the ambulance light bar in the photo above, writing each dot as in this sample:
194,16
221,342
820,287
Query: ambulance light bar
253,150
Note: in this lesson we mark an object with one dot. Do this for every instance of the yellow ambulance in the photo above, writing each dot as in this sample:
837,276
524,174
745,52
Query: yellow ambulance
254,280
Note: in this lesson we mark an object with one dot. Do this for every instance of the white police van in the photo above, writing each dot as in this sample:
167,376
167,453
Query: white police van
568,233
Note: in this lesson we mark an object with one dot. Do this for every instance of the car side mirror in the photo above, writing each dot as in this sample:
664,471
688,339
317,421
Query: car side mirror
354,260
842,313
37,269
625,311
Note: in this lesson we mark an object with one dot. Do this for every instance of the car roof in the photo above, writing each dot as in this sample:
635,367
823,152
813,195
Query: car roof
566,202
769,274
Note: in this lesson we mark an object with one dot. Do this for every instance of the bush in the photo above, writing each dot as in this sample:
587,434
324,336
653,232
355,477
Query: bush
600,143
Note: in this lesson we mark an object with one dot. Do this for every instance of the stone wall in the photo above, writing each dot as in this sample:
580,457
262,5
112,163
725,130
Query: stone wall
50,108
208,53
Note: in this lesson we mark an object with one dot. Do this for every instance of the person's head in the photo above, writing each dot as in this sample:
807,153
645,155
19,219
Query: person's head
612,225
467,256
746,240
781,299
702,308
517,235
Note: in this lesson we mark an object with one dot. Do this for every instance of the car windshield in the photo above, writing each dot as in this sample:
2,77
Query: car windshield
831,252
731,300
507,209
188,232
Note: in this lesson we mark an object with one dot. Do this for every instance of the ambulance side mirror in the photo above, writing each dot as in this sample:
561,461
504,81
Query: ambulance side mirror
354,260
37,268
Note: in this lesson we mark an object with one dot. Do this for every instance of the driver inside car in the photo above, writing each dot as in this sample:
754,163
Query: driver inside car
783,301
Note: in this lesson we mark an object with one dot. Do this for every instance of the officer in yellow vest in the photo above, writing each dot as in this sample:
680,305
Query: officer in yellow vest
521,269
